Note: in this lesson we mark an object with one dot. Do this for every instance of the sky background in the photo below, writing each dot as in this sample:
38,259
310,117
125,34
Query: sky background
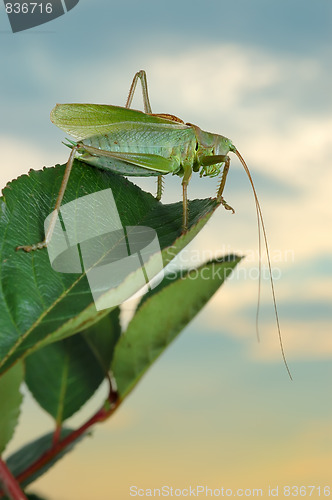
217,408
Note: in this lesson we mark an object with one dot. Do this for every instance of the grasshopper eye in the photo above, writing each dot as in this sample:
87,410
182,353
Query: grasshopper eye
223,145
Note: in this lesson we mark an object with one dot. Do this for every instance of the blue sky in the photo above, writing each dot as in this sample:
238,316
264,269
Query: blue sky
260,73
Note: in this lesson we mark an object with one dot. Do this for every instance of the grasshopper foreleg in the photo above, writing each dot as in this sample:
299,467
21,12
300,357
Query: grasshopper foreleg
220,198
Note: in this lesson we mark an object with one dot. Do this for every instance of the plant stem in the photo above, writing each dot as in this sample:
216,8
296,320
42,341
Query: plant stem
109,407
10,484
57,434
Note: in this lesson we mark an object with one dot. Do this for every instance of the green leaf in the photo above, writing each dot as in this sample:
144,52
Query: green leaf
10,401
39,305
64,375
19,461
161,317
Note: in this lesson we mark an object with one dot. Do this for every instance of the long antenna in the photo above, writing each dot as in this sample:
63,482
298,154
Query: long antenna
261,225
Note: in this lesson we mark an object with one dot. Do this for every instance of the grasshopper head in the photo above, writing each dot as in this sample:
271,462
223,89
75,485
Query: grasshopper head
222,145
211,153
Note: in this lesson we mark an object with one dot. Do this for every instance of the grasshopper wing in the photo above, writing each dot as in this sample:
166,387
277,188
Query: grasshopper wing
132,164
85,120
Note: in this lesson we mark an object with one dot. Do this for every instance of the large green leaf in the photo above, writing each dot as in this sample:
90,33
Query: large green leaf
64,375
19,461
10,401
39,305
162,315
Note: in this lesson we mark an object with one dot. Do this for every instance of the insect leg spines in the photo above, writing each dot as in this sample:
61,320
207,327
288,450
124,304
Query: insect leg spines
160,187
223,177
222,185
185,181
211,165
185,208
142,76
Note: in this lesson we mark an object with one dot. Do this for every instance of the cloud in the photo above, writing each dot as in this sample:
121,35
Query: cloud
17,157
275,108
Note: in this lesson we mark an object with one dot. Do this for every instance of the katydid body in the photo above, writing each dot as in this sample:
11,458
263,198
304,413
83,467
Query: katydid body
136,143
157,147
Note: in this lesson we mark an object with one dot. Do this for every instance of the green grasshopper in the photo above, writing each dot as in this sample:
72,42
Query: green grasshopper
136,143
133,143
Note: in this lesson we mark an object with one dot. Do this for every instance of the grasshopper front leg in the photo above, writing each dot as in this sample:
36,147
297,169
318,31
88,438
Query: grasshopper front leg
214,160
50,229
222,185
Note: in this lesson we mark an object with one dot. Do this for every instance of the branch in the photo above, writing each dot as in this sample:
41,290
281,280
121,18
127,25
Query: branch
10,484
109,407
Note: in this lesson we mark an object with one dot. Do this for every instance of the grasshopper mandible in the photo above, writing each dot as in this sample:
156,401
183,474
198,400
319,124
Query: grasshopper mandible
136,143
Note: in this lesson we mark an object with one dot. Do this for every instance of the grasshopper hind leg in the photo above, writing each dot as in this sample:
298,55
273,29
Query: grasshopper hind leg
142,76
50,229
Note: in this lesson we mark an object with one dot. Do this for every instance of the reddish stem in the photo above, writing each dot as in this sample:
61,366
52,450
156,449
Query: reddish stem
60,445
57,434
101,415
10,484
